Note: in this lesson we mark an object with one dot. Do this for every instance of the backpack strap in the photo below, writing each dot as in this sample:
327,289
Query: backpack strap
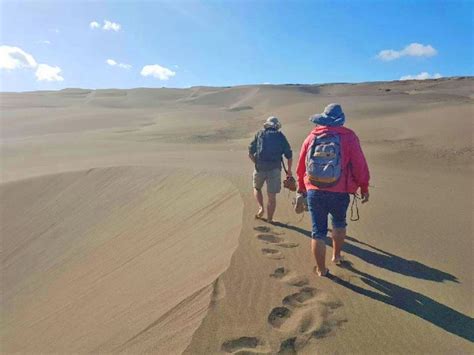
310,151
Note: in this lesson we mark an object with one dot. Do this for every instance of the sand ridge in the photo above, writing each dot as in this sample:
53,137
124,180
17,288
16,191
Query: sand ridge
95,256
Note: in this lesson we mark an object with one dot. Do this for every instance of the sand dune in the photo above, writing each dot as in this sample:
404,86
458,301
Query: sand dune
127,223
100,259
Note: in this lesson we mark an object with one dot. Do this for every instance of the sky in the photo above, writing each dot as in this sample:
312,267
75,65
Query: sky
49,45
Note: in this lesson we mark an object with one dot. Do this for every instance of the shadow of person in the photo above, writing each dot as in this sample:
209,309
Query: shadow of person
394,263
383,259
412,302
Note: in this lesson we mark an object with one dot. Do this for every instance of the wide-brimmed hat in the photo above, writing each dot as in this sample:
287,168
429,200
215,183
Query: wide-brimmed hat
332,116
272,122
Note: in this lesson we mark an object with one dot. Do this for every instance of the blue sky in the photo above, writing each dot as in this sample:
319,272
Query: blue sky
52,44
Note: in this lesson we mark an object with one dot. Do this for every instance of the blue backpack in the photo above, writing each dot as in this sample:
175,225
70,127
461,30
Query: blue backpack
269,145
323,160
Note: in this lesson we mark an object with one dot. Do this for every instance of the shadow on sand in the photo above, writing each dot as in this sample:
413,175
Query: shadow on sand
383,259
410,301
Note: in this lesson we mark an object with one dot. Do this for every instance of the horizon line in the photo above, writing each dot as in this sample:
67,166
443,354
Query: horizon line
245,85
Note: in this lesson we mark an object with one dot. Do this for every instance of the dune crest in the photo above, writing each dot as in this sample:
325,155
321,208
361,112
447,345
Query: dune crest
94,260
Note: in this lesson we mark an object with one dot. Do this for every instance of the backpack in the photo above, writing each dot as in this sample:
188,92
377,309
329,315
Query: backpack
269,145
324,161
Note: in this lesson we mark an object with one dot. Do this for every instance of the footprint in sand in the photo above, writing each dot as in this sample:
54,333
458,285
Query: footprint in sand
300,298
327,328
279,273
244,344
267,229
263,229
269,238
272,253
278,316
288,346
289,277
288,245
307,314
298,281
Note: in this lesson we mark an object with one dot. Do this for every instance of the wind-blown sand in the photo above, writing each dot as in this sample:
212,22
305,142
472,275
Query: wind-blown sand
127,223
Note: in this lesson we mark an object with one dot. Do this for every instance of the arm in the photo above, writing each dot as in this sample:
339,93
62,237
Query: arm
252,158
360,169
290,163
288,153
301,168
253,149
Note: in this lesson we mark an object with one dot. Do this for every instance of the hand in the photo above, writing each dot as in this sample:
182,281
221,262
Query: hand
289,173
301,192
365,197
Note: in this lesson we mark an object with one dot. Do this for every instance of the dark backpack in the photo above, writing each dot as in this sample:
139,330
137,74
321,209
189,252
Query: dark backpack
269,145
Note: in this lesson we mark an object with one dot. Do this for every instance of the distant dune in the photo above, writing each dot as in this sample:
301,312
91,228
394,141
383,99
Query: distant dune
127,223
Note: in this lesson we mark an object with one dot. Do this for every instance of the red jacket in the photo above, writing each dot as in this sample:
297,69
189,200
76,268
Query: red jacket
355,172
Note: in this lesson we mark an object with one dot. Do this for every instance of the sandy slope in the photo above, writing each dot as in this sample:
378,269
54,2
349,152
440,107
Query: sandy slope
106,259
155,248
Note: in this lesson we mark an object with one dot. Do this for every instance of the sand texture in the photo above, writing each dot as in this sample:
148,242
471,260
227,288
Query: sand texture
127,224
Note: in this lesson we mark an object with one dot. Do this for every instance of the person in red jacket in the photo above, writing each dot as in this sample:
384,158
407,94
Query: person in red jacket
332,199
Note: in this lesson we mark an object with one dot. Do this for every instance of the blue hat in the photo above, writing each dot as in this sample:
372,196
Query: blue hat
332,116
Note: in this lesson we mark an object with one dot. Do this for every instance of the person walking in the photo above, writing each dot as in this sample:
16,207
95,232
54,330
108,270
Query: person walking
266,151
331,166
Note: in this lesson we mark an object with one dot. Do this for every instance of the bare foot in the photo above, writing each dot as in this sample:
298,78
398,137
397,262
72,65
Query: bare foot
321,273
338,260
260,213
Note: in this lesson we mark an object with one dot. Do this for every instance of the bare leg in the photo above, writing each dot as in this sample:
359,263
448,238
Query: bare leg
318,247
271,206
338,236
259,196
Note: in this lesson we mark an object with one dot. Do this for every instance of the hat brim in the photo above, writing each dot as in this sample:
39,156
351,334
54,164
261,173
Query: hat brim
317,117
272,125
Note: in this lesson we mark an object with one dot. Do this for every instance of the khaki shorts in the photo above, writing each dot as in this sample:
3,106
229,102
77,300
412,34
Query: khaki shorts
272,177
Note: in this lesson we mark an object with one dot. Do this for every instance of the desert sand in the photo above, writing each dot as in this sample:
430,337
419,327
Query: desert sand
127,223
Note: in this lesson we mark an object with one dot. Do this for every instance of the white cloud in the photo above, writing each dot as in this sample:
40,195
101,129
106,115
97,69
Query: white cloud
55,30
113,63
419,50
108,25
422,76
157,71
46,72
111,26
15,58
45,42
94,24
412,50
388,54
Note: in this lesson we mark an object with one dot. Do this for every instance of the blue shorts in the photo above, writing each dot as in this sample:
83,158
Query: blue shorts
320,204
